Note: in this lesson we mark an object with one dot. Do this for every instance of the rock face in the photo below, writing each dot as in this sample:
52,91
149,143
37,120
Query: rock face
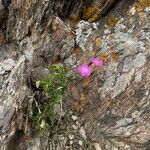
90,10
112,105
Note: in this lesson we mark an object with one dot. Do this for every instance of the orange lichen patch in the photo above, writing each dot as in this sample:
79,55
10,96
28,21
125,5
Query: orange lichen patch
82,97
54,26
79,105
112,20
142,15
75,106
98,42
2,38
78,53
85,58
142,4
82,101
91,53
74,19
27,5
86,81
90,13
114,56
104,57
56,60
131,11
94,18
73,90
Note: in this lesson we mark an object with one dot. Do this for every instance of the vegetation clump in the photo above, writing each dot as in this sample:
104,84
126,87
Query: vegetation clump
44,115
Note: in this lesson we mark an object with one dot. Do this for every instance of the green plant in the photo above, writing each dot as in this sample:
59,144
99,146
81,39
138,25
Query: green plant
45,116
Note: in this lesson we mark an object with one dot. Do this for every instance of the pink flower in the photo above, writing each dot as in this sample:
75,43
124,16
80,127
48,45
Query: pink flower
97,62
84,70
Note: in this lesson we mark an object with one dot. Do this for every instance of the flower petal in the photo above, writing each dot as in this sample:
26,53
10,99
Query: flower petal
84,70
97,62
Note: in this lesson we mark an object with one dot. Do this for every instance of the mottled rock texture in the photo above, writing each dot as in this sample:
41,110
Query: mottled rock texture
112,105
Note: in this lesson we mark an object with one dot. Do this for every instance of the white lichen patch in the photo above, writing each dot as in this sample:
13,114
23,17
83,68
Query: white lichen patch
116,85
97,146
127,42
11,80
132,45
95,25
128,65
112,68
7,65
83,31
109,83
71,61
132,11
139,60
82,133
138,76
119,27
104,46
145,35
126,131
147,9
122,82
27,48
2,71
107,31
123,122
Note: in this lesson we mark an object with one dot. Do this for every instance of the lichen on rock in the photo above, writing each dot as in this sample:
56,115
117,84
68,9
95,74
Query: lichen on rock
111,104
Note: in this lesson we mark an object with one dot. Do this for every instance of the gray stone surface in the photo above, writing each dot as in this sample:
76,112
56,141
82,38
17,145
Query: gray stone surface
111,106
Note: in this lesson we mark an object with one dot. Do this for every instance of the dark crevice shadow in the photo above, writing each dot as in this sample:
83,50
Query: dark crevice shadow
4,14
14,143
